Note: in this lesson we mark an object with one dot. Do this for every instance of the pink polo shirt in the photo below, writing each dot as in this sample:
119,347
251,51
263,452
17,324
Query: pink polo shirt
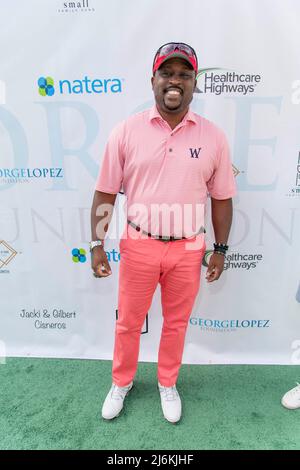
164,172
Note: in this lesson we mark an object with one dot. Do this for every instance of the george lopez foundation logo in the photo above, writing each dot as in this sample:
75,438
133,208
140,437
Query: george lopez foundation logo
246,261
77,7
218,81
228,325
27,175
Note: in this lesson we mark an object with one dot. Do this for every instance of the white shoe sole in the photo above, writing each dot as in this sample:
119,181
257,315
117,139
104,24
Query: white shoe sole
289,407
172,421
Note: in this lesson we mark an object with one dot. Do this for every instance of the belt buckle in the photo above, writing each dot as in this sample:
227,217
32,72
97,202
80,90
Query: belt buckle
165,239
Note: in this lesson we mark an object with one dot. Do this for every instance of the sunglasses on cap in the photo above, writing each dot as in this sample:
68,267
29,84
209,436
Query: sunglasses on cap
175,49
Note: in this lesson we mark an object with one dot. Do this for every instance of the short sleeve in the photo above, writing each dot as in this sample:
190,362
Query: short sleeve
110,177
222,183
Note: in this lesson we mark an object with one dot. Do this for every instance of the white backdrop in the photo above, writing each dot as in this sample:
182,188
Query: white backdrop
97,59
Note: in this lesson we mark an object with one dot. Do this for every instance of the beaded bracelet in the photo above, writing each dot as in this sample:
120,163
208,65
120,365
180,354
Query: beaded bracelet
217,252
221,246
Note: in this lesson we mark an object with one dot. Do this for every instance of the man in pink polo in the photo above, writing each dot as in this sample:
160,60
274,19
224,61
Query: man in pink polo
167,160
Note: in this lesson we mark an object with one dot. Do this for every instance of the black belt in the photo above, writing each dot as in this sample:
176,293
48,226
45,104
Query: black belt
160,237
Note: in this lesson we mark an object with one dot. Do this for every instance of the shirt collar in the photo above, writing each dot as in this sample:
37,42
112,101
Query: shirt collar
154,114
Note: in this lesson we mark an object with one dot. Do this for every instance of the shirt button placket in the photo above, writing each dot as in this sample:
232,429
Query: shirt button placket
170,148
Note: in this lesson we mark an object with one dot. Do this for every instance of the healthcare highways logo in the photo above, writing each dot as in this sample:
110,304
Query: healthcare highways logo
221,81
246,261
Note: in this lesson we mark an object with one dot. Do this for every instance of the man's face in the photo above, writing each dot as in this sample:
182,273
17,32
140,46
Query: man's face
173,85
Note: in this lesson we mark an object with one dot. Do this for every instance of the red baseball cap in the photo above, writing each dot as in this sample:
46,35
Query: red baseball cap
175,49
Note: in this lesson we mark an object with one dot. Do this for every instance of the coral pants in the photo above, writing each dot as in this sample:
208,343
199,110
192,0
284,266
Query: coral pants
144,263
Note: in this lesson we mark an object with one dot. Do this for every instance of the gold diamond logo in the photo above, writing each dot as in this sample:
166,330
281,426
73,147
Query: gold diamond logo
7,253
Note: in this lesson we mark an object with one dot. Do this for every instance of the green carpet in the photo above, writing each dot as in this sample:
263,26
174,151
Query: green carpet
56,403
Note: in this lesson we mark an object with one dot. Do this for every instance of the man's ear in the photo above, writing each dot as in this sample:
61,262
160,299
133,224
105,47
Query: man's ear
152,80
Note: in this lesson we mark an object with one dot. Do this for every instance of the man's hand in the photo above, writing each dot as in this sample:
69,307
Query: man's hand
215,267
101,212
100,264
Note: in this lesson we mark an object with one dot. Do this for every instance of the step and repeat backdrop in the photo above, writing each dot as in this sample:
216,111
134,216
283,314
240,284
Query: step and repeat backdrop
69,72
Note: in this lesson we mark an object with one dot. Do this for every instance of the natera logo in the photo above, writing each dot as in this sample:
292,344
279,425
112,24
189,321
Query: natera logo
79,255
227,82
46,86
113,256
79,87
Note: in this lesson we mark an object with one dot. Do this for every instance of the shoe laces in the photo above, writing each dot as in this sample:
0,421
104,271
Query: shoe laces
119,393
169,393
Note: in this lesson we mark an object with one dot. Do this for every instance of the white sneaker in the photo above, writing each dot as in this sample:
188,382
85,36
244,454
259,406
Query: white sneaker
170,403
114,401
291,399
